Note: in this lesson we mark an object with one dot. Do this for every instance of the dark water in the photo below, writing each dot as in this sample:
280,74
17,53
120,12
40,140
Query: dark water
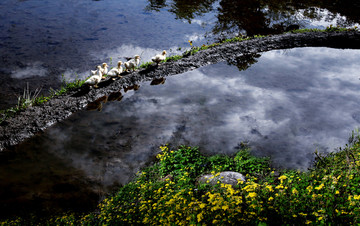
41,40
286,105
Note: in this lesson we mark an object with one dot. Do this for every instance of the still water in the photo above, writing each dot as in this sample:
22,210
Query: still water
286,105
41,40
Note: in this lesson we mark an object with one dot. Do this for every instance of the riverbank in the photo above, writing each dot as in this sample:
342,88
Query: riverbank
31,120
169,192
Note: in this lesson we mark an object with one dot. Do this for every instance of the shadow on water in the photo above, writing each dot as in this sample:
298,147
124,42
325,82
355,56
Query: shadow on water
35,180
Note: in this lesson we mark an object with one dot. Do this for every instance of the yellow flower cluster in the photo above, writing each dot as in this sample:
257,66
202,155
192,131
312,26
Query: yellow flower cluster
294,197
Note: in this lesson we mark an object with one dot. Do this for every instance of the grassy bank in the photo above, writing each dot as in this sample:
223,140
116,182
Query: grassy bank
168,192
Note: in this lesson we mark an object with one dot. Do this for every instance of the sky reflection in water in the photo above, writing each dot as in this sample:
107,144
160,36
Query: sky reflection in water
287,105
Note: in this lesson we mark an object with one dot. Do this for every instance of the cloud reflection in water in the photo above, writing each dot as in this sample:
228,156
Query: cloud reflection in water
286,105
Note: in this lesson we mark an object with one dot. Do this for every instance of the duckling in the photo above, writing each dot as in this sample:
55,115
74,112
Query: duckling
158,58
94,79
116,71
104,70
93,72
131,64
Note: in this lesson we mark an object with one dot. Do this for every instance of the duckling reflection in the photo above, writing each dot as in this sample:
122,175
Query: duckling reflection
158,81
93,106
133,87
97,104
115,96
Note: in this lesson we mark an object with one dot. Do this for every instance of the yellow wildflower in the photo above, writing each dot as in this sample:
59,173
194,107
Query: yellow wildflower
252,194
200,217
270,188
309,188
294,191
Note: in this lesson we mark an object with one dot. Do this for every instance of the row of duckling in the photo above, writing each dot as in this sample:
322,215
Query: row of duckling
130,65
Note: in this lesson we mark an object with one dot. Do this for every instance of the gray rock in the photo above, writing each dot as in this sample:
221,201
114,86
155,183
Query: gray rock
226,177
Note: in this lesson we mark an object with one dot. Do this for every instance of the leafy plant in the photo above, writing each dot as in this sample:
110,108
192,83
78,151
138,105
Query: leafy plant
28,98
185,160
245,162
327,194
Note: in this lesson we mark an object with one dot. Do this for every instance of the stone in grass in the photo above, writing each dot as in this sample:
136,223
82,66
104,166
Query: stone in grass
226,177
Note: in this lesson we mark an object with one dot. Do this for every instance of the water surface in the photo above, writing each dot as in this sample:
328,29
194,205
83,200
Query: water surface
286,105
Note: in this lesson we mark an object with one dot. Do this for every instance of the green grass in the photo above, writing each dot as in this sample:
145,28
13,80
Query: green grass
168,192
28,99
145,65
327,29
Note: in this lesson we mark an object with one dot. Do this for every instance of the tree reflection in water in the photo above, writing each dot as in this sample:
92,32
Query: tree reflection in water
245,61
184,9
252,17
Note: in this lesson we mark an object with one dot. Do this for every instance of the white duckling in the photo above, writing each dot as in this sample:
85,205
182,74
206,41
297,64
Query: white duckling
93,72
131,64
94,79
116,71
160,57
104,70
